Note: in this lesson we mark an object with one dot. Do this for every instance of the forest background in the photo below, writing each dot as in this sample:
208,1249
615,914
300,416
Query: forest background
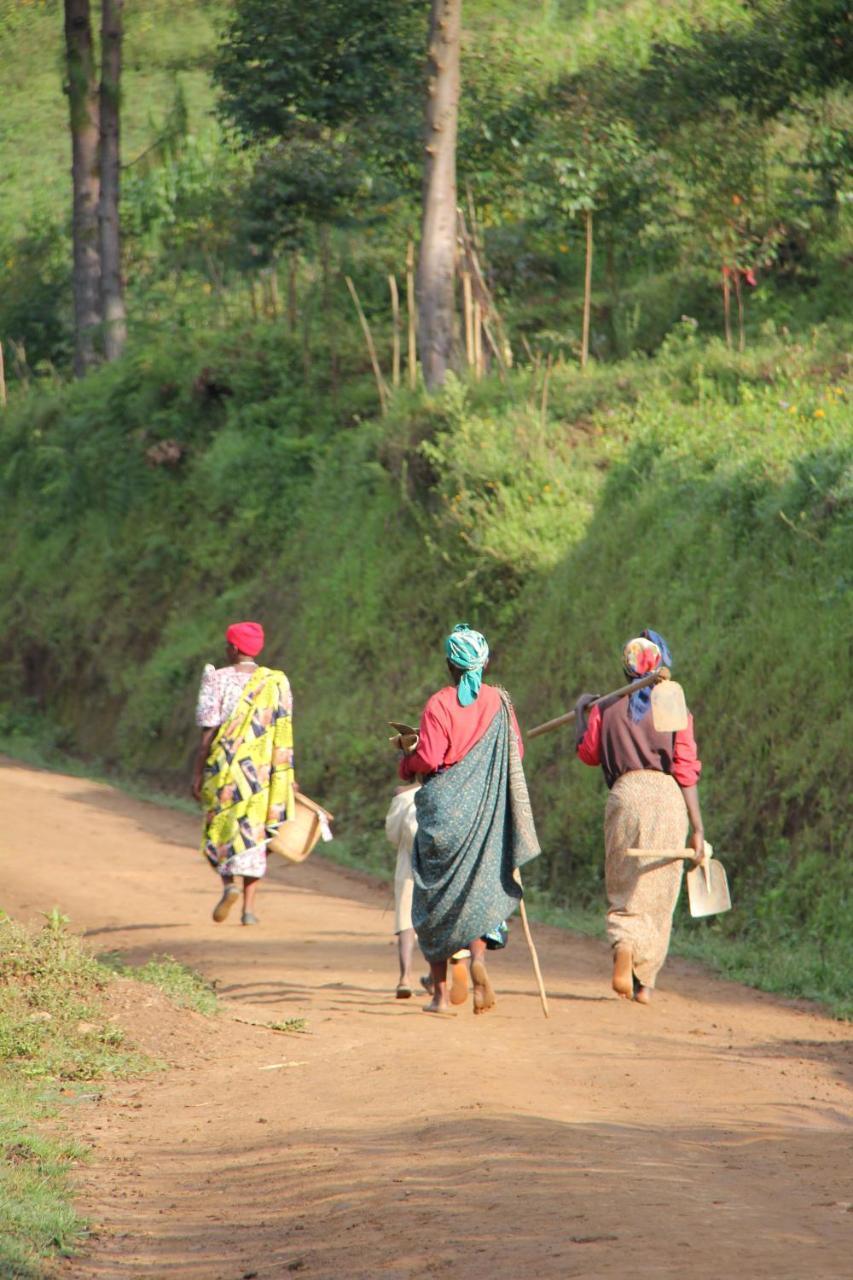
242,458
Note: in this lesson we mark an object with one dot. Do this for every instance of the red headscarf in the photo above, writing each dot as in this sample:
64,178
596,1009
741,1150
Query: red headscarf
248,637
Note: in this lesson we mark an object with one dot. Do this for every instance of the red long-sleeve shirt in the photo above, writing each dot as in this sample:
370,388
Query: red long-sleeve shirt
448,731
621,745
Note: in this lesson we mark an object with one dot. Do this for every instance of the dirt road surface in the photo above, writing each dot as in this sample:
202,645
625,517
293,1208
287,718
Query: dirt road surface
708,1135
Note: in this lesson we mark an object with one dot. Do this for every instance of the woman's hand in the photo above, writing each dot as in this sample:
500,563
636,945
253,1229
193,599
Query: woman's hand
196,787
697,843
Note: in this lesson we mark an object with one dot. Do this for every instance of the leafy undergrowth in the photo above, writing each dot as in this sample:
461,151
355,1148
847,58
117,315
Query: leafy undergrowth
58,1042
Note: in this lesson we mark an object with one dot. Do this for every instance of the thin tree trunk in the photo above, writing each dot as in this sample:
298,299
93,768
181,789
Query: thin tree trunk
412,354
587,291
438,232
2,379
112,294
468,306
82,90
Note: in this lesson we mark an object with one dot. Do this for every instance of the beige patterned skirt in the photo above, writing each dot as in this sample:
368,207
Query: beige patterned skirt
645,810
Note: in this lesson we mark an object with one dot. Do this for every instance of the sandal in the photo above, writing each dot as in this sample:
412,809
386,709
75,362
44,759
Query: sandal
230,894
249,918
404,992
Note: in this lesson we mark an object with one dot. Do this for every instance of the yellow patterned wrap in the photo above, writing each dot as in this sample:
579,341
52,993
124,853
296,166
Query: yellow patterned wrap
248,778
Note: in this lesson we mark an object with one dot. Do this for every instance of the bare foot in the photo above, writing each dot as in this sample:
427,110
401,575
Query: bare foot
484,992
458,982
643,995
440,1007
623,977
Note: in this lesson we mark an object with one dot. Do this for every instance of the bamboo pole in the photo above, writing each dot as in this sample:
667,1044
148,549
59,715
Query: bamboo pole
559,721
587,291
410,311
2,379
368,337
467,303
395,338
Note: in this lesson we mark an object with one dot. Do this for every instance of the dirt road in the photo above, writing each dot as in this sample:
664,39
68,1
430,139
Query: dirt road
708,1135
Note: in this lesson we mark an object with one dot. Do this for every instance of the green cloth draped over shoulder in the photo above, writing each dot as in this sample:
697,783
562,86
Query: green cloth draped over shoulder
247,790
475,827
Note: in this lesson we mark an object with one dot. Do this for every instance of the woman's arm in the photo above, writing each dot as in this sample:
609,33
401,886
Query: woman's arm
207,736
433,741
694,813
686,769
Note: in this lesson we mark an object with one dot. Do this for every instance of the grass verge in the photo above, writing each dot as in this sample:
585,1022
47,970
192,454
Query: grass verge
57,1038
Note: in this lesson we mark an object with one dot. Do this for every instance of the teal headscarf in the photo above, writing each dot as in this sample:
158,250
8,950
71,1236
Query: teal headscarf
467,650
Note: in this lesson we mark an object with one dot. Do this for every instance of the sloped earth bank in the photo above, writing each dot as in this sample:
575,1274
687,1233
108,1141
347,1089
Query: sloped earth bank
708,1135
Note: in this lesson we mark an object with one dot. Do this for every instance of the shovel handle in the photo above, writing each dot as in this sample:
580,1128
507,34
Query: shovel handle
607,697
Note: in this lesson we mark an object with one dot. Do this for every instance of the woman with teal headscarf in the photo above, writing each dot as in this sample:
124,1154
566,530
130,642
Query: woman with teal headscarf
475,827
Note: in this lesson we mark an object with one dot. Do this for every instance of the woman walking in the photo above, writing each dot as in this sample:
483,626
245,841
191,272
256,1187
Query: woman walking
243,772
652,777
475,827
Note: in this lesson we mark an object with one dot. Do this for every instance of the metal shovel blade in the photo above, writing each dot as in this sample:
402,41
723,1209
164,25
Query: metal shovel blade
669,709
708,889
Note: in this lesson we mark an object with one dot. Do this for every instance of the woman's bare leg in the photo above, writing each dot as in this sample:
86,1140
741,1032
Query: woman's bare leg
405,954
484,994
250,888
440,1002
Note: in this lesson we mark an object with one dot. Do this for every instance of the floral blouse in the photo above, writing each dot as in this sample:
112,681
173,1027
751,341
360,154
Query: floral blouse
219,693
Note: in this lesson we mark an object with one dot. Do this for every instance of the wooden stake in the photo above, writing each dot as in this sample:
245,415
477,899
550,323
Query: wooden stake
468,309
292,270
741,339
2,379
410,310
368,337
727,305
544,406
395,336
587,291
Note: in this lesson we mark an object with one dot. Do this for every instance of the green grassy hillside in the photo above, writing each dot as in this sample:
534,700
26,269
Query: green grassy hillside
705,494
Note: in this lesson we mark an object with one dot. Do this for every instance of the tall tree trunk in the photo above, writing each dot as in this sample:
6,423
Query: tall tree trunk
82,89
438,232
112,297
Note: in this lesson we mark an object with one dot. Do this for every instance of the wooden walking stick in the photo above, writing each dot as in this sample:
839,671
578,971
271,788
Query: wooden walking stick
516,875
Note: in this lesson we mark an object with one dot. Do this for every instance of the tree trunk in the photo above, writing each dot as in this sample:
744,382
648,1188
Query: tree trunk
112,296
82,89
438,232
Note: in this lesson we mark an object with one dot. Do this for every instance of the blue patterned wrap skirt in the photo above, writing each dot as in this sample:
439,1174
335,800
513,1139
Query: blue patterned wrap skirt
475,827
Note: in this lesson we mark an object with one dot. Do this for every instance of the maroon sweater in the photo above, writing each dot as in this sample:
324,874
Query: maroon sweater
620,746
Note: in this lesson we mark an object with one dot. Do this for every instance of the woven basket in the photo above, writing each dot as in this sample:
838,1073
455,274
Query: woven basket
295,839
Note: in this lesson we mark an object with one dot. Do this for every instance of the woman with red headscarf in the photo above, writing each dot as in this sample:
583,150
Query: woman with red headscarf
244,765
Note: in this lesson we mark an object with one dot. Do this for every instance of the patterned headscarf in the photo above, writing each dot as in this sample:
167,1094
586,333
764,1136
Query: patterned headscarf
640,657
467,650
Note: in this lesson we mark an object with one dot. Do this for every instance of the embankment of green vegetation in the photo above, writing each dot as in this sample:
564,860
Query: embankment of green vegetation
705,493
58,1043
